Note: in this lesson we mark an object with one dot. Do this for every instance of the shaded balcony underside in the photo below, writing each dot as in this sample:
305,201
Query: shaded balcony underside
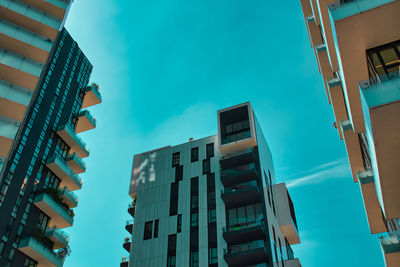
245,235
237,160
250,257
129,227
127,246
242,197
35,250
242,176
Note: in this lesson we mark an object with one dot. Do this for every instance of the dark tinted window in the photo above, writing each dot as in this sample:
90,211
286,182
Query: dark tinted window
194,154
148,227
156,222
206,166
210,150
175,159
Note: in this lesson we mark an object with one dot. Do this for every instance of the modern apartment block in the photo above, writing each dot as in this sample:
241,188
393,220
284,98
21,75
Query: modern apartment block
40,174
357,47
211,202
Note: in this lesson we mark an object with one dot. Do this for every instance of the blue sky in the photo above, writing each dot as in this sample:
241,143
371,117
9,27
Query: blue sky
165,67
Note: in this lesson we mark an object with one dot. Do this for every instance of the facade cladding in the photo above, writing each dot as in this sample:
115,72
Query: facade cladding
211,202
36,197
357,46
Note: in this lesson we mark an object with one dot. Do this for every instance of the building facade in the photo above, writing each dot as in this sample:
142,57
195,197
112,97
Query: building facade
211,202
357,47
41,172
28,31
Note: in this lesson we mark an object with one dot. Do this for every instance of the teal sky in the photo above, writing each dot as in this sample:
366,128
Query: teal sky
165,68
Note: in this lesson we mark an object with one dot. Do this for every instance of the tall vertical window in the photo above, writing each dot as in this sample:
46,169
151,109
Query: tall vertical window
156,222
173,207
212,215
178,173
210,150
194,259
148,227
194,219
179,223
175,159
171,254
206,166
212,255
194,154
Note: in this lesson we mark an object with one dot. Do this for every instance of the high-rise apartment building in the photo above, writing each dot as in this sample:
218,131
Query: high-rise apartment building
357,46
44,86
211,202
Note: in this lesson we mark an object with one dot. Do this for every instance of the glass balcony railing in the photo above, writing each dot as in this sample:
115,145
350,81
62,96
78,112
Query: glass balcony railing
244,247
239,187
230,138
244,225
239,170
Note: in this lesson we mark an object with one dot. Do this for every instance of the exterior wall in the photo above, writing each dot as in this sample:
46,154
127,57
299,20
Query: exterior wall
24,176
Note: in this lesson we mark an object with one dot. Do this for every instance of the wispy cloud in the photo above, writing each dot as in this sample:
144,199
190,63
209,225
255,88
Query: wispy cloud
330,170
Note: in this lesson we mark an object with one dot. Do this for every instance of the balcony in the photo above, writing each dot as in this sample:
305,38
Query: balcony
92,96
381,109
239,158
31,18
129,226
76,163
73,140
238,175
285,213
86,121
12,110
245,232
60,215
241,194
391,247
371,203
17,76
292,263
68,178
56,8
40,252
245,254
127,244
59,237
131,209
69,198
124,262
6,138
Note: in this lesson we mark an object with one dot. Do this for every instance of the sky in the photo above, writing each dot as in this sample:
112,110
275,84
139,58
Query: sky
165,67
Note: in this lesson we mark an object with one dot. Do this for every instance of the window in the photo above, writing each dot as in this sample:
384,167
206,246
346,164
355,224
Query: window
171,261
148,227
194,155
194,202
179,223
206,166
212,215
173,207
156,222
178,173
194,259
175,159
211,198
194,220
210,150
212,255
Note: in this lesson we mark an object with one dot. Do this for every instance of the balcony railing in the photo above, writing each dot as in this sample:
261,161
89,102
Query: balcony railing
238,158
129,225
60,168
240,174
245,225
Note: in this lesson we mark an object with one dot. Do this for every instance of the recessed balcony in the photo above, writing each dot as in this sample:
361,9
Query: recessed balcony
241,194
245,232
92,96
59,237
73,140
41,253
240,174
245,254
391,248
124,262
239,158
131,209
76,163
129,226
85,121
69,197
127,244
68,178
61,216
381,109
